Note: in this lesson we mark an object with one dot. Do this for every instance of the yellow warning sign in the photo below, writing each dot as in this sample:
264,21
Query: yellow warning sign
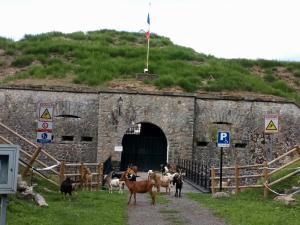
45,112
271,126
46,115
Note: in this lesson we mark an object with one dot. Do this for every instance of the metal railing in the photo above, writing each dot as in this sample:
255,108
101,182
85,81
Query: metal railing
197,174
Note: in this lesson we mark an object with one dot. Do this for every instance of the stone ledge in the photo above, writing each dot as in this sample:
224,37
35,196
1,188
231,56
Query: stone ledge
145,76
199,95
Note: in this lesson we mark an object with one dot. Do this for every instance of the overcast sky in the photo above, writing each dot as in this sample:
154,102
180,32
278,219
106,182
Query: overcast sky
253,29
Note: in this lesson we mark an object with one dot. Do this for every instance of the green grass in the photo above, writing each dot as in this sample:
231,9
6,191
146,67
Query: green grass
249,208
97,57
84,208
289,182
161,199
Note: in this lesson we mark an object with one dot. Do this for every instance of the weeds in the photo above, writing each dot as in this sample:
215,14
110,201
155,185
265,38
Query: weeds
85,207
96,57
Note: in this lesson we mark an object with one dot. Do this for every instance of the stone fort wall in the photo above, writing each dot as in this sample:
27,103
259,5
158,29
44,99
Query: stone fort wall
88,124
75,116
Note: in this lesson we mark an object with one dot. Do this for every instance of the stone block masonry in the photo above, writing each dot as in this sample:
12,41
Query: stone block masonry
89,124
75,122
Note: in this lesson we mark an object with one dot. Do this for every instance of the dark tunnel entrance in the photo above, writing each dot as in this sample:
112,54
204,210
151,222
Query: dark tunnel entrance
146,149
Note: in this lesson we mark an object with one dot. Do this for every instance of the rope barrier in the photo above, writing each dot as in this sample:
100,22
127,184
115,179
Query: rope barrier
47,168
268,187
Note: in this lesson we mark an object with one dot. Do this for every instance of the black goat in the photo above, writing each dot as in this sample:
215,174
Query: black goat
178,182
66,187
116,175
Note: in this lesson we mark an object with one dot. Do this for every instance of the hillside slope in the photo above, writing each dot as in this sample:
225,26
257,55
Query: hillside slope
108,58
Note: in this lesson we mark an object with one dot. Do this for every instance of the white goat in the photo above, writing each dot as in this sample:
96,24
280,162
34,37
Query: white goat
116,183
161,180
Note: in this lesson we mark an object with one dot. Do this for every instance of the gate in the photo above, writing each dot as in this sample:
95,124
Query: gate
148,150
197,174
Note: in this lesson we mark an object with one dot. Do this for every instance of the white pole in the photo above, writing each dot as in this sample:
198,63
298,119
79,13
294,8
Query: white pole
148,54
148,47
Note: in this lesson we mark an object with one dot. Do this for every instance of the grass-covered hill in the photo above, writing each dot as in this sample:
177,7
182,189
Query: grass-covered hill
100,58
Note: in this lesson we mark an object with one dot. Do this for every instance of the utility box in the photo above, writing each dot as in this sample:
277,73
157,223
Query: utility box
9,162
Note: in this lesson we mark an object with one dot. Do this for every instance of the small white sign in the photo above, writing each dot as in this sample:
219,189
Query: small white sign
44,137
45,126
118,148
271,124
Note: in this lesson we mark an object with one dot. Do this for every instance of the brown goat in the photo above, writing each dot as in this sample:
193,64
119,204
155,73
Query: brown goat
132,169
155,178
86,177
160,181
134,187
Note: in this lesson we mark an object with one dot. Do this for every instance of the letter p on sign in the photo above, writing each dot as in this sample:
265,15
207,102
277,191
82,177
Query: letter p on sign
223,136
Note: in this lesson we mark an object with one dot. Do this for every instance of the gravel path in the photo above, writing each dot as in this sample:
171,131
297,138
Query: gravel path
177,211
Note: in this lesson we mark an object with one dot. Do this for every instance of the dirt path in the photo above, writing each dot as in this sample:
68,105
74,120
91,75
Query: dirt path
175,211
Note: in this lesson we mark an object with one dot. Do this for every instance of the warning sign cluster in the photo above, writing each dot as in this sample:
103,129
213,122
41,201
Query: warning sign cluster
45,122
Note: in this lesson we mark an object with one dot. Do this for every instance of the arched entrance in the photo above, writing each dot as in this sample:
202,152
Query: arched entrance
146,149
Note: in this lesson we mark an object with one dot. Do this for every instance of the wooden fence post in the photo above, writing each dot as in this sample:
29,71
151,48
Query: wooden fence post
33,158
100,175
237,178
265,180
81,174
62,171
213,175
298,149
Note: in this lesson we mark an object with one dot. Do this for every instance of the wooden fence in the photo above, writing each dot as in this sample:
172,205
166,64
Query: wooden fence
33,157
75,171
37,160
248,176
236,177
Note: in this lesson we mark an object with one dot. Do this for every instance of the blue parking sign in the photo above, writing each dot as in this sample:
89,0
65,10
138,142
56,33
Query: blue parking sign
223,139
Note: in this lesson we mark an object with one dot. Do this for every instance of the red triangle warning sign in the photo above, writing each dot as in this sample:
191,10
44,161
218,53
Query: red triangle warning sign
46,115
271,126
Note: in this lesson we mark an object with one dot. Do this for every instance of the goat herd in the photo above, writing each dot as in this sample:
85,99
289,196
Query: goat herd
168,177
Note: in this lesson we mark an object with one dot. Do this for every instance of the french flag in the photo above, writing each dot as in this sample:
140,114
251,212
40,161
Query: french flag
148,32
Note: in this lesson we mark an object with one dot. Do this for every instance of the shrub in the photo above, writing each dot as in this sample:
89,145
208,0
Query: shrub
37,71
77,35
96,57
6,43
297,73
187,85
245,62
270,78
10,51
268,63
282,86
164,81
23,61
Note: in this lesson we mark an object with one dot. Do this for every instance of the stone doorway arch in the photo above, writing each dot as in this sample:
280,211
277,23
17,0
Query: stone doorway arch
146,149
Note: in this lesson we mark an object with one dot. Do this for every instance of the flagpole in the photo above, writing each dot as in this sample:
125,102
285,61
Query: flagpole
148,38
148,53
